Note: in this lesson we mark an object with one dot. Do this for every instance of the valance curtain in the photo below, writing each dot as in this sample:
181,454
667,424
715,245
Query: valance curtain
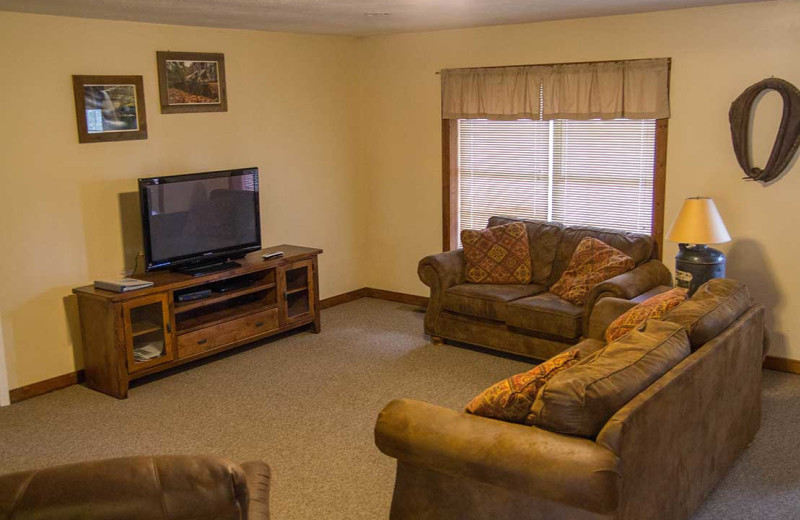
634,89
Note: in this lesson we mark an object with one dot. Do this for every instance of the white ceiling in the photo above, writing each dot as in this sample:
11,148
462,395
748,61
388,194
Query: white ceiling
346,17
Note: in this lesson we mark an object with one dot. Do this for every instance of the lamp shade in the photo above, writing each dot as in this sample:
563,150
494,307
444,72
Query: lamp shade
698,223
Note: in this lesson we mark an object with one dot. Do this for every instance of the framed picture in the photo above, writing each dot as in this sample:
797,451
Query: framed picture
109,108
191,82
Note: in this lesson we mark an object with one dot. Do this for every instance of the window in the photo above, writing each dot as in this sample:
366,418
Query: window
596,173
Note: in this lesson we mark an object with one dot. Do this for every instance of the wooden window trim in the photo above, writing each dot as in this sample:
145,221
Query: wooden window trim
450,184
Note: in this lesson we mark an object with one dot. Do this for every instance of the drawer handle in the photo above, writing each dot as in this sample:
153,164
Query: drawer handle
260,324
202,342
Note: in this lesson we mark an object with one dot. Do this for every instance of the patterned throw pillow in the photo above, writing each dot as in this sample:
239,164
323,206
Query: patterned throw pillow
498,254
593,262
511,399
654,308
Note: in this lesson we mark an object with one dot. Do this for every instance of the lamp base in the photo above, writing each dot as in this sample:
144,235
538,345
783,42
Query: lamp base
695,264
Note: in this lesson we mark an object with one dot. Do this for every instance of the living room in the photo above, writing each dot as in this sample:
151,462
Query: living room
346,130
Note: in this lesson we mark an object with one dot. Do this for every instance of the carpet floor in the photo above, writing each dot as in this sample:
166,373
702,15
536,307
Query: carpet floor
307,404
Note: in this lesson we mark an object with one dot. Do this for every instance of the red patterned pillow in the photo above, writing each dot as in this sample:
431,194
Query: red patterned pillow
593,262
654,308
498,254
511,399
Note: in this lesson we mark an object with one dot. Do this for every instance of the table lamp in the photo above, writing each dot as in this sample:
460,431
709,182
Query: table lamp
698,224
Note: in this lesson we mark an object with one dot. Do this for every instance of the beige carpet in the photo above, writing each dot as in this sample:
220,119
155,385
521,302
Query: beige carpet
306,404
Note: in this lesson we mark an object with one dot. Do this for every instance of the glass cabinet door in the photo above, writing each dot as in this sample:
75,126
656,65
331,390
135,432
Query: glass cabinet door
148,332
298,292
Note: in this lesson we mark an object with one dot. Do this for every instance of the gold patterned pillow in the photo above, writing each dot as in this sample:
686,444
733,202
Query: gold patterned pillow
511,399
654,307
593,262
498,254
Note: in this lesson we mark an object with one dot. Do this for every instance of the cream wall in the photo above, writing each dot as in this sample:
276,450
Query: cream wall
289,113
346,133
716,53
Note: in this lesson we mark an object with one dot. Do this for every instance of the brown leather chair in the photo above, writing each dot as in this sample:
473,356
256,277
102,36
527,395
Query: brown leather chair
139,488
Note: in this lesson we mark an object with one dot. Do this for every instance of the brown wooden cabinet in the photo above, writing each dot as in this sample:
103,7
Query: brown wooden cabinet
131,335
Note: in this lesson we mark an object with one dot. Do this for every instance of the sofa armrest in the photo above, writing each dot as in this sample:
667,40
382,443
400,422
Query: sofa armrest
442,271
259,479
638,280
141,487
564,469
605,311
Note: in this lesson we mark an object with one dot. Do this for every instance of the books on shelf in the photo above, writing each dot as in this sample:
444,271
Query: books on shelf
122,284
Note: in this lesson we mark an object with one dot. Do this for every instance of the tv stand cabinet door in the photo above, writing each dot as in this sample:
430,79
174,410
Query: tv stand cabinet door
297,287
148,332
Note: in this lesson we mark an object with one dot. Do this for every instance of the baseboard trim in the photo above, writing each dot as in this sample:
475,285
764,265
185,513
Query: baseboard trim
339,299
48,385
782,364
56,383
371,292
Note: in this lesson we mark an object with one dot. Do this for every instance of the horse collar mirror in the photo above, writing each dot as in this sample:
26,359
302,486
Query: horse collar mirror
787,140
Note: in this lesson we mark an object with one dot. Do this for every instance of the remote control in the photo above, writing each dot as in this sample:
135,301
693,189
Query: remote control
269,256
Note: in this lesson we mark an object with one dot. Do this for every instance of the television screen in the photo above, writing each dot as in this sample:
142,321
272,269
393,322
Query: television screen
198,217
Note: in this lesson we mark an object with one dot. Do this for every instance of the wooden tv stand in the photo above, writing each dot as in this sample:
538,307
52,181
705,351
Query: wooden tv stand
130,335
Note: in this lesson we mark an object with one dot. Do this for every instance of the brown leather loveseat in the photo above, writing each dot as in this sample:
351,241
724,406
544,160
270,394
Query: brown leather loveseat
139,488
527,319
656,458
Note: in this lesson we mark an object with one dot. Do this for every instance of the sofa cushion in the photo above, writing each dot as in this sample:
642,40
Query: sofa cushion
593,262
543,239
638,247
545,313
486,300
511,399
711,309
497,255
580,401
652,308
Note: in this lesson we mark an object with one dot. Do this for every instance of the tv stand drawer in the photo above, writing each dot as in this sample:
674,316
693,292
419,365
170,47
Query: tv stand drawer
225,333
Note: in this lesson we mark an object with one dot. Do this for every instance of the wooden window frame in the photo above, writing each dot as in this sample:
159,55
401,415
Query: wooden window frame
450,184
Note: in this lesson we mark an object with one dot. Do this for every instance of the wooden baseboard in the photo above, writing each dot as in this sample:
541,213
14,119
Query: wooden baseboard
408,299
63,381
48,385
343,298
782,364
371,292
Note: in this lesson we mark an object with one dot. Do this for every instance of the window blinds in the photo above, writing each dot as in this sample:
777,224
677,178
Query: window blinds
596,173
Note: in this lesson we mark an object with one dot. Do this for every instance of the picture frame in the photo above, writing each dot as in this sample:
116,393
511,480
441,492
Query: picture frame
109,108
191,82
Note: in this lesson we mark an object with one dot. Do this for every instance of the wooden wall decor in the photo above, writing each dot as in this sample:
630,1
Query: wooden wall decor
787,140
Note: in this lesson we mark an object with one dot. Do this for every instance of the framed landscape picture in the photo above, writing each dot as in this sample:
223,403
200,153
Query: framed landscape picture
191,82
109,108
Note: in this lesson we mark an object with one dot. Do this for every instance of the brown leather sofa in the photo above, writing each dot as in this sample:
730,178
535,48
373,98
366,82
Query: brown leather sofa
656,458
139,488
527,319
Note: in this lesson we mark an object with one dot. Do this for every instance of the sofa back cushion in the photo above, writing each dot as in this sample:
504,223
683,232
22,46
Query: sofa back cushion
497,255
543,240
580,400
711,309
639,247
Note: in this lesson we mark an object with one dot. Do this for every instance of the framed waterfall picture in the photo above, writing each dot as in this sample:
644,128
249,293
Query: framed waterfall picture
191,82
109,108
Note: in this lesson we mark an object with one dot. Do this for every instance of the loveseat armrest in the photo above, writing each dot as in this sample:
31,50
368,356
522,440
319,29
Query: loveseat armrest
164,486
443,270
638,280
560,468
605,311
440,272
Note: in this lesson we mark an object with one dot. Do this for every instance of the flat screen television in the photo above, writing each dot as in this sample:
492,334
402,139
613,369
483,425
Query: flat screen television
195,223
